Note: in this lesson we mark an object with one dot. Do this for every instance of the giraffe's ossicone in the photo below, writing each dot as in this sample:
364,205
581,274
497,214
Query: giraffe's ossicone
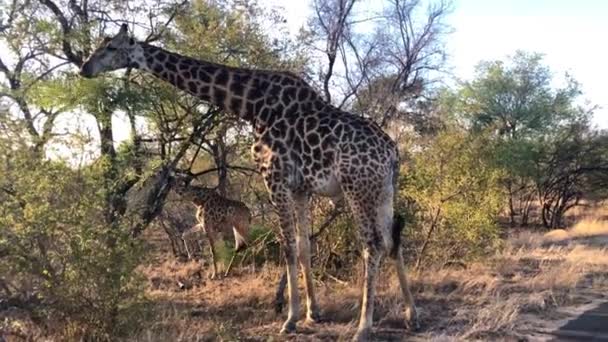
303,146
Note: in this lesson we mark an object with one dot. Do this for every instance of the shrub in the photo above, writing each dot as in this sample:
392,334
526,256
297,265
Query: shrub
455,196
55,248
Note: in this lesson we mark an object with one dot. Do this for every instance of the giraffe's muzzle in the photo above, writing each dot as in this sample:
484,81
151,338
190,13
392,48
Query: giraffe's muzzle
86,70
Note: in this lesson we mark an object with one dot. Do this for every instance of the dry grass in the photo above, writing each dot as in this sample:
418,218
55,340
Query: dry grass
591,227
530,277
505,297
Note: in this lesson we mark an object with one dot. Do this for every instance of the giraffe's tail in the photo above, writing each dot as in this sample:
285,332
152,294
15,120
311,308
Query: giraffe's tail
398,224
398,219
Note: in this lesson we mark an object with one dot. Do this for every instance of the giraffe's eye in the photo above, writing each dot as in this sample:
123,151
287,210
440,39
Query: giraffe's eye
110,48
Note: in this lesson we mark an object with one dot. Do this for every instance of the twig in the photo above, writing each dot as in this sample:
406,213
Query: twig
341,282
336,212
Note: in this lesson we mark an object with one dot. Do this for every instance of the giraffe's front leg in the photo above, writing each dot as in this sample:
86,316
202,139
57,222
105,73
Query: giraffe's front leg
187,236
303,242
283,201
212,249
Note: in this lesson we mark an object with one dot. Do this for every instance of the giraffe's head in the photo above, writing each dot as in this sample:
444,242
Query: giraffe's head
182,186
192,193
113,53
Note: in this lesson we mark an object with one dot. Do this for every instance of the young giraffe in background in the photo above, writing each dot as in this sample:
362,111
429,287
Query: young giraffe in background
303,146
215,214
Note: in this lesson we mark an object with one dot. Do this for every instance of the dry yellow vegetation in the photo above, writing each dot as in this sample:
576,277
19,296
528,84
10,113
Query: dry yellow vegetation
510,295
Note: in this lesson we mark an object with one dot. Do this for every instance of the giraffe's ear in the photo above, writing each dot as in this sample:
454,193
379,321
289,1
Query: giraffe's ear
124,29
123,33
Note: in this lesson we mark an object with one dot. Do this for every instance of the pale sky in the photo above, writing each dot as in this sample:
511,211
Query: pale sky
573,35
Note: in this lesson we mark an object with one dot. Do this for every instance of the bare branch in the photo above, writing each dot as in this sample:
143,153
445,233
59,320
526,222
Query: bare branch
154,36
331,17
73,57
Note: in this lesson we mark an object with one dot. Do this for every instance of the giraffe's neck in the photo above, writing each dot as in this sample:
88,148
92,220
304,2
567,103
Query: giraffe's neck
201,196
225,87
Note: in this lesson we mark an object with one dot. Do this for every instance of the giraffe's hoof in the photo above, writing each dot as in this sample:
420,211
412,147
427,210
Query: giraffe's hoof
278,306
215,276
313,317
289,327
182,258
411,319
362,335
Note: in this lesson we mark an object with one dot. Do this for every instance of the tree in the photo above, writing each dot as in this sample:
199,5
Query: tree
573,166
517,100
26,62
55,261
66,225
382,65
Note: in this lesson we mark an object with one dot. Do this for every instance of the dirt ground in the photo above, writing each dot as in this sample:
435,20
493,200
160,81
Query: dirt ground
522,293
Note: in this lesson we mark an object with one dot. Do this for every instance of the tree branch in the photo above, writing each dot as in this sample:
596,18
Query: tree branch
73,57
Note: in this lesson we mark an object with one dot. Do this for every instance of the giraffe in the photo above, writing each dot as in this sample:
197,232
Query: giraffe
215,214
303,146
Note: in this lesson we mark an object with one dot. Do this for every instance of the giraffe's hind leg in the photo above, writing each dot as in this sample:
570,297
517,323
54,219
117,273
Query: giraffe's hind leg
372,257
411,313
391,227
364,211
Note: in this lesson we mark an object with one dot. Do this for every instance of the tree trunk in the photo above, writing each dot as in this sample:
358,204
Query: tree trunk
428,238
512,222
115,203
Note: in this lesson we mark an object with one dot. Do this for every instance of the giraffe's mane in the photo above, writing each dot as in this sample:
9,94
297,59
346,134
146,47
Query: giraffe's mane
232,68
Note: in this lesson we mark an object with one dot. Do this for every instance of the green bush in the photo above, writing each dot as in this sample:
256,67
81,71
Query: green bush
55,248
454,195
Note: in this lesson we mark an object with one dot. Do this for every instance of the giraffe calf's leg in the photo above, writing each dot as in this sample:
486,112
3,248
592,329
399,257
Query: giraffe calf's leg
240,241
212,250
187,237
230,265
188,253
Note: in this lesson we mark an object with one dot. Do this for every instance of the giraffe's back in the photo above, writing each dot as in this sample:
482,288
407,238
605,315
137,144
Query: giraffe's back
326,150
364,155
313,145
221,213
